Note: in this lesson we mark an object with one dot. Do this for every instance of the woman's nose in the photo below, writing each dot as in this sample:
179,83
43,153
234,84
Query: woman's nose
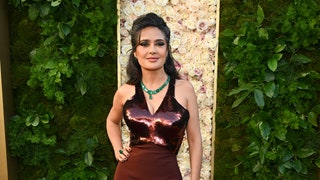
152,49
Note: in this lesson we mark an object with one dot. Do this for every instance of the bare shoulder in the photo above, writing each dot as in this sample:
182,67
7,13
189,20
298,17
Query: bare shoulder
184,85
124,92
184,92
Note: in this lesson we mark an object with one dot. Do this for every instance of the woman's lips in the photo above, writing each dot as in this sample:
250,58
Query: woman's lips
152,59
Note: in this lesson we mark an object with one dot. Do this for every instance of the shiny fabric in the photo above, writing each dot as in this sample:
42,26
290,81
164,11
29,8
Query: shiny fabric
165,127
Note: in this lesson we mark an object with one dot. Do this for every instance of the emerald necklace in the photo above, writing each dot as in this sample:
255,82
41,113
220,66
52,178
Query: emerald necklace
152,92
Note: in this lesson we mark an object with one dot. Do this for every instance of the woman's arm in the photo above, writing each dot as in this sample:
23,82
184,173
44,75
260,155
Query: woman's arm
113,125
194,134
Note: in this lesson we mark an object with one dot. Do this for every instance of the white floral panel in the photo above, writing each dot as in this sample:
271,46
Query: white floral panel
193,41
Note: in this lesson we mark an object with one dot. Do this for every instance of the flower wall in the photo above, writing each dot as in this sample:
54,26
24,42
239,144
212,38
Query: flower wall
193,42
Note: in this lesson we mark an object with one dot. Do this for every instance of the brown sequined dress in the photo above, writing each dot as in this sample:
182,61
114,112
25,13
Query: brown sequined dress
155,139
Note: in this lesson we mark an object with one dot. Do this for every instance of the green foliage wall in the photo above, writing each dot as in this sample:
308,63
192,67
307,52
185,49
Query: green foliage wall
268,90
64,77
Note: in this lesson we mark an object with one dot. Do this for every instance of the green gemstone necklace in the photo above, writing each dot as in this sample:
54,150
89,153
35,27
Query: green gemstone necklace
152,92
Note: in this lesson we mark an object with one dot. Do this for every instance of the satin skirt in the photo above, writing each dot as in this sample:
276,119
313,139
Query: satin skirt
149,162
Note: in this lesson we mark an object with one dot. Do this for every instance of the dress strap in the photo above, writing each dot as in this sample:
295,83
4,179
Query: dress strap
172,87
139,96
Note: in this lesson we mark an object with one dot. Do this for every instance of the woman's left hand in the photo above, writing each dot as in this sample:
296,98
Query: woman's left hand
123,154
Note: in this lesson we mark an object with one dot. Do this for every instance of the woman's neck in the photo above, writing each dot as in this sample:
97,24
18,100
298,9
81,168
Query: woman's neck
154,79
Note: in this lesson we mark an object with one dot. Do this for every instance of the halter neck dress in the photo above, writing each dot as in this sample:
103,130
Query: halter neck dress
155,139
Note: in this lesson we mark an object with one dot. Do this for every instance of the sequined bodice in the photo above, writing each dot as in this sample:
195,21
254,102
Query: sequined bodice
165,127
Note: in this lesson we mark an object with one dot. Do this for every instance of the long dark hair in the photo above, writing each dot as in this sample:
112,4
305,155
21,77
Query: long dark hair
133,68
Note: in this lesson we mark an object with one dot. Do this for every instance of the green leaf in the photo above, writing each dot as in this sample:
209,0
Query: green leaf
287,156
263,33
44,9
35,121
240,99
29,120
281,133
269,89
102,176
55,3
305,152
277,56
262,153
49,40
60,151
313,119
51,65
45,119
243,87
227,32
258,97
297,165
300,58
279,48
316,109
83,89
272,64
33,12
282,169
236,40
64,30
236,170
260,15
265,129
273,61
318,163
76,2
269,76
15,3
235,147
88,158
257,167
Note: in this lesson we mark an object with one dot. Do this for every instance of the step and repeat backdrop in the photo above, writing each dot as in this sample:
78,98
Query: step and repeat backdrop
194,39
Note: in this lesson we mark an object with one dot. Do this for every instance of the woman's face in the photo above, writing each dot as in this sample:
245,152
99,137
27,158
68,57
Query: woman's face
152,50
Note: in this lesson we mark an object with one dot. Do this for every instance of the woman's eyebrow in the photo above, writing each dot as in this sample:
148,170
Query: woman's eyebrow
150,40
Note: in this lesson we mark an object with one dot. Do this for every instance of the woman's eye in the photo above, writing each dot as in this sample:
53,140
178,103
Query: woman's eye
160,43
144,44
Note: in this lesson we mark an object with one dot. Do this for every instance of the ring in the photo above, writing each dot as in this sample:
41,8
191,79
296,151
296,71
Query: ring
120,151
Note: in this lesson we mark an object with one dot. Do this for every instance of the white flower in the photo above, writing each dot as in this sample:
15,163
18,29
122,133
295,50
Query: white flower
151,6
174,2
190,23
171,13
125,49
128,25
177,57
212,44
124,32
161,2
201,98
192,5
211,2
202,25
175,43
126,41
123,60
126,10
212,22
139,8
182,50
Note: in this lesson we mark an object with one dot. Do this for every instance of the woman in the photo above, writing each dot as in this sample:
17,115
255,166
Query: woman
157,107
